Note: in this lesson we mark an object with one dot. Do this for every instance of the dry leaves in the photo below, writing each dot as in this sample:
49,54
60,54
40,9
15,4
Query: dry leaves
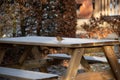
101,27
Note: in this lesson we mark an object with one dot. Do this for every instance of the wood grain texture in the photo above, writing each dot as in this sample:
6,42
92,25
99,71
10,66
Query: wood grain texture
112,60
74,64
53,42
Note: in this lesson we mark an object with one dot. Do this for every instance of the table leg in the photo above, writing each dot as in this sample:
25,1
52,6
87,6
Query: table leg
74,64
24,55
85,64
37,55
112,60
119,48
2,53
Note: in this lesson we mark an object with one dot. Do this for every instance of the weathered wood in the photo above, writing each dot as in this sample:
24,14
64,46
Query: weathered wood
97,9
65,56
53,42
85,64
88,58
108,8
76,44
119,48
112,8
119,7
36,53
24,74
103,7
112,59
74,64
2,53
24,55
59,56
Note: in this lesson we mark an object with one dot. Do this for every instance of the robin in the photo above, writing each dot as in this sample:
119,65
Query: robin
59,38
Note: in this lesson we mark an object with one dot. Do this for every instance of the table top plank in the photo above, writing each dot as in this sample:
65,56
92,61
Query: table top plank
53,42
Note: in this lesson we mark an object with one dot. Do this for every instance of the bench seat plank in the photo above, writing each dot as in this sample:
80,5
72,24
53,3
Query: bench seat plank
25,74
89,58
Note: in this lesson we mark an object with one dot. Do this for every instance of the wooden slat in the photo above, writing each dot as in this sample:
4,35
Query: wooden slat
96,8
116,9
119,7
119,50
112,9
112,59
103,7
88,58
108,8
24,74
100,4
53,42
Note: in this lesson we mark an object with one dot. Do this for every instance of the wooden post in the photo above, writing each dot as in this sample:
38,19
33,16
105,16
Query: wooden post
112,60
112,9
116,7
97,8
74,64
108,8
2,53
119,7
24,55
103,7
85,64
36,53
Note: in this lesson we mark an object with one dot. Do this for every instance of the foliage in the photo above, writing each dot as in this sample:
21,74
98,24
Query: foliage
8,19
37,17
101,27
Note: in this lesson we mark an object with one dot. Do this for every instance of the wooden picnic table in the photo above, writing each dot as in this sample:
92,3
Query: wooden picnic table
75,46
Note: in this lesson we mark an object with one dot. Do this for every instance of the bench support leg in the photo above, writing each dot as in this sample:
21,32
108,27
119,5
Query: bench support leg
112,60
2,53
24,55
37,55
74,64
85,64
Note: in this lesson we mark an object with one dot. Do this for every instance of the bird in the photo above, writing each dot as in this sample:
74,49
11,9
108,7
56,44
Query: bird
59,38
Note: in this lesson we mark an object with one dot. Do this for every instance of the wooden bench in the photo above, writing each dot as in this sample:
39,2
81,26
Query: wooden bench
88,58
25,74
